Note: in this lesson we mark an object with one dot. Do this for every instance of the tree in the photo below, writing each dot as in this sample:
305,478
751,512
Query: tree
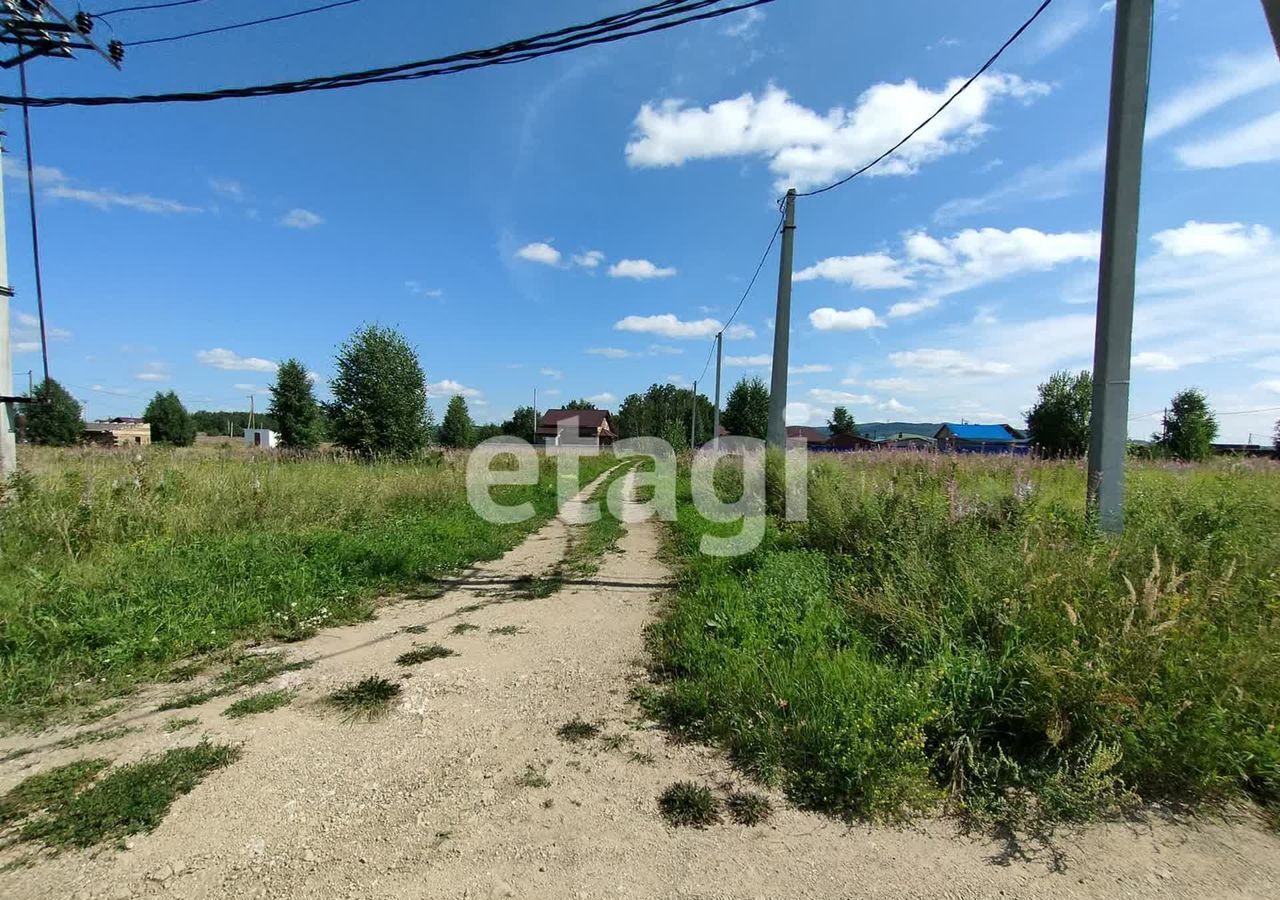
521,423
1275,439
746,411
1059,421
580,404
1189,427
457,429
169,420
665,411
841,422
379,395
53,416
294,407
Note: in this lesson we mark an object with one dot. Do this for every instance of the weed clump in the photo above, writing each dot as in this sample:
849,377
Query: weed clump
576,730
748,808
685,803
258,703
423,654
366,699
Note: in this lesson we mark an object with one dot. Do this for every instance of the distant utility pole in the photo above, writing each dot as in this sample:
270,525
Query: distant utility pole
1113,337
34,28
251,412
693,419
777,434
715,426
1272,10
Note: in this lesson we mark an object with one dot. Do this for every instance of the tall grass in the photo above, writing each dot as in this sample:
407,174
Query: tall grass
114,564
957,631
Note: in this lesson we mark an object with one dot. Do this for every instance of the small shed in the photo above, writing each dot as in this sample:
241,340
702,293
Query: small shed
263,438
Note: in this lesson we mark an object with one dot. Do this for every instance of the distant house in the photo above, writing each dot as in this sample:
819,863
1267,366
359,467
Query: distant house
955,437
122,431
263,438
821,440
906,441
579,428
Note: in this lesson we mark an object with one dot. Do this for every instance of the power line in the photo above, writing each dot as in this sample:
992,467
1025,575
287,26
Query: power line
654,18
772,238
222,28
972,78
125,9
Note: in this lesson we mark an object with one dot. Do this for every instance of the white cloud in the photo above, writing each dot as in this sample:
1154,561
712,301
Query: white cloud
675,379
106,199
870,271
892,405
901,385
669,326
301,218
979,255
664,350
750,362
951,362
114,391
228,187
1228,79
540,252
1272,385
229,360
806,148
588,260
246,388
418,289
612,352
1220,239
602,398
739,332
1062,25
911,307
551,373
823,395
448,388
640,269
1255,142
153,371
1268,364
743,26
810,369
828,319
1155,361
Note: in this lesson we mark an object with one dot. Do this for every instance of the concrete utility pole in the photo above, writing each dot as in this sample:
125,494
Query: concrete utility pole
693,420
715,426
8,411
777,434
1113,337
1272,10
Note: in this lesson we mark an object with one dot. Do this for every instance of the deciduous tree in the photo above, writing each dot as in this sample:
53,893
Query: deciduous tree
53,416
1059,421
1189,427
746,412
169,420
379,394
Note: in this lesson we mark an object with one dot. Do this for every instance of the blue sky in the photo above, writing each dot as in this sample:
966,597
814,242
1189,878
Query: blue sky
582,225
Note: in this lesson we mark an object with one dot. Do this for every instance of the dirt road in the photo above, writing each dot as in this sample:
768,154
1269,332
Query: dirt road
465,789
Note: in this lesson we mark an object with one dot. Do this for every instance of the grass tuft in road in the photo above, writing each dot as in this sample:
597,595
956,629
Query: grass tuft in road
366,699
507,630
176,724
425,653
68,811
687,804
258,703
748,808
576,730
534,777
463,628
47,790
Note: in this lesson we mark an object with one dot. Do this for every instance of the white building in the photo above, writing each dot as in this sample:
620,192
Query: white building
259,437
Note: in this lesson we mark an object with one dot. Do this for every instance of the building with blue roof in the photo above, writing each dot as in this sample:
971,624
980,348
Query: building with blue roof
961,437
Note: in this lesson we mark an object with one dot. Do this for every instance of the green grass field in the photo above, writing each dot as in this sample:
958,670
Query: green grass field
956,633
115,565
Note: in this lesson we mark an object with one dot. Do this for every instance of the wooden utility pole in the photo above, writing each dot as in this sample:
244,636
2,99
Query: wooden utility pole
1113,335
1271,8
715,425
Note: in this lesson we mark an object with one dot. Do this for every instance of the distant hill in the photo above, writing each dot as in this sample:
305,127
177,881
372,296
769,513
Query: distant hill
878,431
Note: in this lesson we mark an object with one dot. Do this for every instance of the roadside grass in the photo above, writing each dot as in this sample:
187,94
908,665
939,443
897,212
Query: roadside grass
247,670
115,565
957,634
76,740
177,724
423,654
258,703
686,804
68,808
575,730
365,700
